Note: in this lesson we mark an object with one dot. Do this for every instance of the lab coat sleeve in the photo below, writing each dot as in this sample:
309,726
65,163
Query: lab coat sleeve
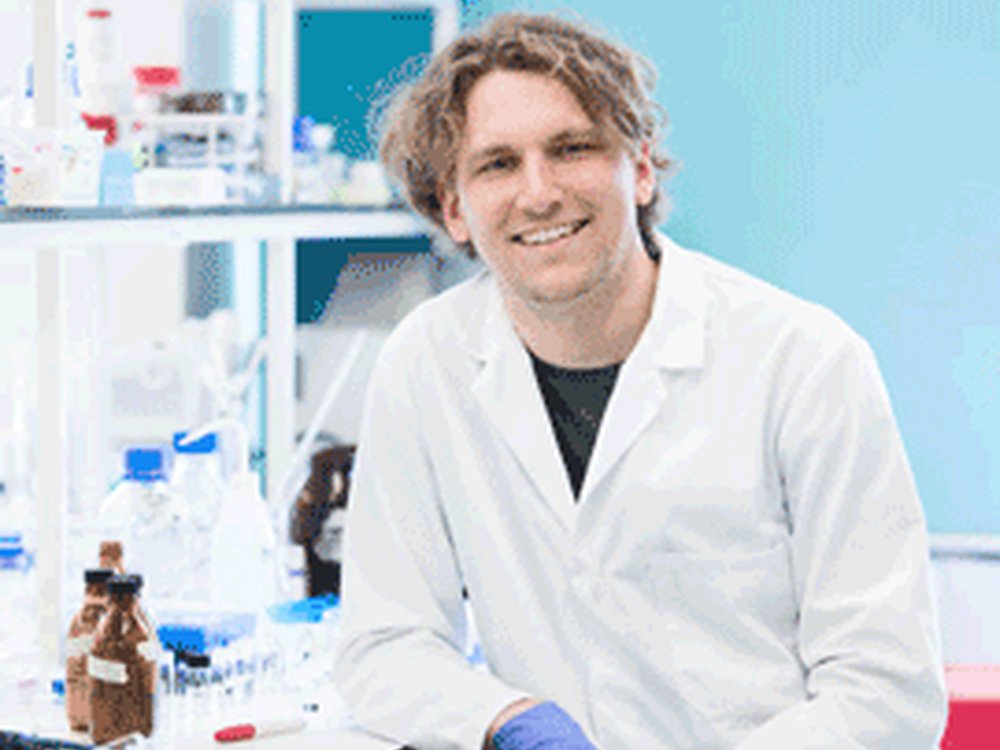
868,633
399,665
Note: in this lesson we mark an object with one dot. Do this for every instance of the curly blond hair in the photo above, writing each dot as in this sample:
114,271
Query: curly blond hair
422,127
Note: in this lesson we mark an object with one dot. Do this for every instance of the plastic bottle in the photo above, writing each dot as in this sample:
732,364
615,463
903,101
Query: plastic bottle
79,641
17,619
243,549
154,523
102,75
115,513
244,564
122,668
197,481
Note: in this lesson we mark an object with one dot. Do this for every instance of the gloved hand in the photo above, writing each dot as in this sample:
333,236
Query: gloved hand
542,727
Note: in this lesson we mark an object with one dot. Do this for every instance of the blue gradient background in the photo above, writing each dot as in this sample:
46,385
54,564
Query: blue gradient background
849,152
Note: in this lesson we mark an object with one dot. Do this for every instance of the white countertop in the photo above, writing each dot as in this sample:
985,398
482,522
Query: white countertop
325,730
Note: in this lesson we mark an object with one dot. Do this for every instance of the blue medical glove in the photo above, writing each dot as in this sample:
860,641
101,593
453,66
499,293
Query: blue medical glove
542,727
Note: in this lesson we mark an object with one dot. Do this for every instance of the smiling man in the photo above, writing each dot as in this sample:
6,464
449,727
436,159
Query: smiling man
675,496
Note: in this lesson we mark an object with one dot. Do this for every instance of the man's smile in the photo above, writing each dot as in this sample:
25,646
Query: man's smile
551,234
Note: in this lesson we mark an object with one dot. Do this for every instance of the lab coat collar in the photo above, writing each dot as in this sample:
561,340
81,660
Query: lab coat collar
676,328
674,339
507,391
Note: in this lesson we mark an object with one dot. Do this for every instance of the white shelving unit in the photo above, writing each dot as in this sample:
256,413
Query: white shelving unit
57,228
51,230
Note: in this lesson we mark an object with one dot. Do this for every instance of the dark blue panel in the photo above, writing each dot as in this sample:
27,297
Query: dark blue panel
319,262
349,60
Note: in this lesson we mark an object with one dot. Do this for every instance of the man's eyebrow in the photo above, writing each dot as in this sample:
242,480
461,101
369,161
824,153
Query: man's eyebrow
569,134
489,151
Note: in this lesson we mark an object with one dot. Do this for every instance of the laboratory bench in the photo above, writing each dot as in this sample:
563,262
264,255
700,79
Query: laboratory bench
325,730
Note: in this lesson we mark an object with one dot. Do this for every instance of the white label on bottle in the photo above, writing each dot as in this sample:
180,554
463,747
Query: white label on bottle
79,646
107,671
147,650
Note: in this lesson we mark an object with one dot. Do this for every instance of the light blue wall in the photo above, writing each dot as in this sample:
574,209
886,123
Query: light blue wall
848,151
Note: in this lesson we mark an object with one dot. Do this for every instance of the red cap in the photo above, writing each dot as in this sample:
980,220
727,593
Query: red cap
236,733
157,75
107,123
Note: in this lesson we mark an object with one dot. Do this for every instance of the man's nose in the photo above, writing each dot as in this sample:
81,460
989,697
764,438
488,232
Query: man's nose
540,192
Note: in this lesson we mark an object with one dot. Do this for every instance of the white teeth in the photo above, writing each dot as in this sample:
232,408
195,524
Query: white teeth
551,235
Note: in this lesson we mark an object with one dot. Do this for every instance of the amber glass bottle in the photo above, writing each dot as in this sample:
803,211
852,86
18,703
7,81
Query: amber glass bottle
121,667
79,640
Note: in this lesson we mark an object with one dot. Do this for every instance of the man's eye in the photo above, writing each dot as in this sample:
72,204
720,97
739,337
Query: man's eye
575,148
496,165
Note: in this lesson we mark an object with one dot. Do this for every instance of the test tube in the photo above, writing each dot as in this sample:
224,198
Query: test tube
198,686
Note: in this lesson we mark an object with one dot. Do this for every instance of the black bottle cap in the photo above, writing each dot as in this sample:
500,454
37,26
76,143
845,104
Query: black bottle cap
97,575
124,584
195,659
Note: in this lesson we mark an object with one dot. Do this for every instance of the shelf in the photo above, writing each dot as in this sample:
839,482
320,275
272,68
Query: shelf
983,547
75,227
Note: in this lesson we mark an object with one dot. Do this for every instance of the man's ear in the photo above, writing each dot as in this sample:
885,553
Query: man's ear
645,177
454,221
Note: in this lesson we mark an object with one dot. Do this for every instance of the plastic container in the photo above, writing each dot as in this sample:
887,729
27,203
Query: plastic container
151,83
154,524
102,73
197,481
243,565
17,592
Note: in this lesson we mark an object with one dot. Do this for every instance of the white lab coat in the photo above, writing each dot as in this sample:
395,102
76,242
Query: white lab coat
746,567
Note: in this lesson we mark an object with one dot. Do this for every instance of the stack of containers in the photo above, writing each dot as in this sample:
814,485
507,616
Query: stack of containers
103,75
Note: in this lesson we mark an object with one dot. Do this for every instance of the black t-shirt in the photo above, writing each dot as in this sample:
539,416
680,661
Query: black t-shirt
575,400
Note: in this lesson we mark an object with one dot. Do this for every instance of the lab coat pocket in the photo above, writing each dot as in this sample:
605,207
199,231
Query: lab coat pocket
731,621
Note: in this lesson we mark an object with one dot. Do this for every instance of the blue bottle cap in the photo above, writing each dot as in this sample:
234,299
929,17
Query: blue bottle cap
204,444
302,134
11,545
144,464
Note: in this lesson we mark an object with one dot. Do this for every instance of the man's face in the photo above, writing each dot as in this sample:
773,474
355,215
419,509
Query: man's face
548,198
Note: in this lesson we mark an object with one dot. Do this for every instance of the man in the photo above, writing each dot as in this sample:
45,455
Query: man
675,496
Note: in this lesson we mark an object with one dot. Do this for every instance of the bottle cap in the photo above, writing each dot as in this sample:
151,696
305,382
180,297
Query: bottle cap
11,545
205,444
124,584
302,134
97,575
195,659
144,464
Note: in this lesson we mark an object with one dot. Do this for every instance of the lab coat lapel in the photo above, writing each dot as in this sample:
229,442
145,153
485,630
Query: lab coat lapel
673,340
508,393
